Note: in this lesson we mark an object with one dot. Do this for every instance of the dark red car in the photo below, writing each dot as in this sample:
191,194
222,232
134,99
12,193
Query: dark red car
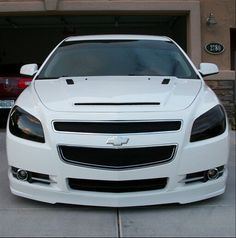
11,85
10,89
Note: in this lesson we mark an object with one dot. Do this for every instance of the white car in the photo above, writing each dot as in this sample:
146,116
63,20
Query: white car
118,120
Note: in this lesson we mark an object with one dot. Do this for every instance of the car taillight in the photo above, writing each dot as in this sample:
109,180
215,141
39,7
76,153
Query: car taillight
24,83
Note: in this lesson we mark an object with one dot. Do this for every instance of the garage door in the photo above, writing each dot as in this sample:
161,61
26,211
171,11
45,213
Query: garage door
28,39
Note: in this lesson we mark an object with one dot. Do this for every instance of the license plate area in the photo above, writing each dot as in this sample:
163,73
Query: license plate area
6,104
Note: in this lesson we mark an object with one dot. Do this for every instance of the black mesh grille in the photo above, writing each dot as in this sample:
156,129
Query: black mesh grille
117,158
117,186
117,127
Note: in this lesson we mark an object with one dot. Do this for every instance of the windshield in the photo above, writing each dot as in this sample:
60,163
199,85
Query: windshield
117,58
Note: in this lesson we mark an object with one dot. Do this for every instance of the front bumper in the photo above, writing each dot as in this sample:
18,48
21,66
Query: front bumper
190,158
182,195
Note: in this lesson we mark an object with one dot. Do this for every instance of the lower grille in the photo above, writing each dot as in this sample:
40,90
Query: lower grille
117,158
117,186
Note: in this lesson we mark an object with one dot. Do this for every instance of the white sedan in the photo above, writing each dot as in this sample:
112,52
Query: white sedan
118,120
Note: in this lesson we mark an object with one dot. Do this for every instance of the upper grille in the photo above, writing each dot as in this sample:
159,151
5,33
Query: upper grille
115,158
117,127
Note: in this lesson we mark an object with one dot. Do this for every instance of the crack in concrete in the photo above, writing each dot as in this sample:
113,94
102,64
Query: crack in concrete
119,225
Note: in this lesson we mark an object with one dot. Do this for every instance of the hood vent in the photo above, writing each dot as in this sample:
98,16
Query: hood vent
165,81
117,104
69,81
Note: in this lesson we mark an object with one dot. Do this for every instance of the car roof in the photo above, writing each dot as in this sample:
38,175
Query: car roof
117,37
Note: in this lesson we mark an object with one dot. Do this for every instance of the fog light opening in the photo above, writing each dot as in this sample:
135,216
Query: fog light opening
212,174
22,175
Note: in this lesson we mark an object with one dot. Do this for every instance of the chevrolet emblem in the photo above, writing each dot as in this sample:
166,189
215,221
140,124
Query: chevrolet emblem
117,140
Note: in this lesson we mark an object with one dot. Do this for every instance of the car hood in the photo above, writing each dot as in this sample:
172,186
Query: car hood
116,93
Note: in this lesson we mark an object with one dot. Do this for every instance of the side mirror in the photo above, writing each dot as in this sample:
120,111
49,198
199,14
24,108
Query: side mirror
29,69
207,69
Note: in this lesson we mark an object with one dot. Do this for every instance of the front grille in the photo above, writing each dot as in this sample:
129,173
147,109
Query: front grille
117,186
116,158
117,127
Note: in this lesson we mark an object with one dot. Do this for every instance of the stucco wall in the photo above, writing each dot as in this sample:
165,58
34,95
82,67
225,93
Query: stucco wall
224,13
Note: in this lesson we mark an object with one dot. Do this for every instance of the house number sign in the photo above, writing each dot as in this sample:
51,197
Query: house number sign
214,48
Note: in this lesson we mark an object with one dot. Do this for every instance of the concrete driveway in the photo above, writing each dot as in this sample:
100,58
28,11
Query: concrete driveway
23,217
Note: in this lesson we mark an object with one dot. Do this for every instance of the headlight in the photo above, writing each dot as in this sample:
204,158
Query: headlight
212,123
26,126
